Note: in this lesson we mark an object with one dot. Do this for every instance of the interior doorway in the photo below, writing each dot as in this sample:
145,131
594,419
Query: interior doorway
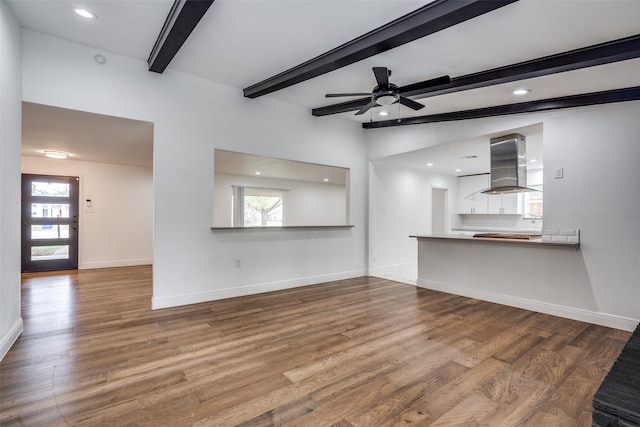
49,222
113,156
439,210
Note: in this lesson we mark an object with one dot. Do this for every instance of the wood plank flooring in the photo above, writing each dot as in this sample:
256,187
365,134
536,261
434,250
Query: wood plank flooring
358,352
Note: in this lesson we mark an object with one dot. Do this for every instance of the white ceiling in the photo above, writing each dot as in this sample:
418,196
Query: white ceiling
86,136
242,42
452,158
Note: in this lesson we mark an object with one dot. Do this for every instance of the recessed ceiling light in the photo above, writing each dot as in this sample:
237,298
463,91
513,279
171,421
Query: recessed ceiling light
258,173
383,113
522,91
429,164
56,154
458,170
85,13
326,180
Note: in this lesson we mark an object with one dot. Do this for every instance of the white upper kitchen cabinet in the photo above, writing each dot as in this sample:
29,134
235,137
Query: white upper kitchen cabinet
471,200
505,203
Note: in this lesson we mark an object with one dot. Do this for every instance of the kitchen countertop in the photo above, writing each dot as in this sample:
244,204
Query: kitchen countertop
478,229
535,241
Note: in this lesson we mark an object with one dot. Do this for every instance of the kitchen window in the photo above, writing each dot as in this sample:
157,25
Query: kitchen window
533,202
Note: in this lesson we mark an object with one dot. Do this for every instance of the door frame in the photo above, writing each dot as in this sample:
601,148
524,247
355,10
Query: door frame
437,209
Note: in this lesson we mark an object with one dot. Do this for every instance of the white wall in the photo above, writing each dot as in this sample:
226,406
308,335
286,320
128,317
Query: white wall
305,203
10,141
192,117
119,231
598,149
400,206
535,177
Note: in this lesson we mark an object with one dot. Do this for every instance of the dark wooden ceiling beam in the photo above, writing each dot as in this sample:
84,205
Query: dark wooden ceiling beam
572,101
426,20
181,21
603,53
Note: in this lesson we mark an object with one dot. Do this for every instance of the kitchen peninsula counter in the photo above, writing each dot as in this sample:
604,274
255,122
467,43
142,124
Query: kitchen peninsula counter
534,240
535,274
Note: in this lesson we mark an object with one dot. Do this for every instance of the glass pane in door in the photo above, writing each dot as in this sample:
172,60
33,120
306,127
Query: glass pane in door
40,253
49,210
49,231
50,189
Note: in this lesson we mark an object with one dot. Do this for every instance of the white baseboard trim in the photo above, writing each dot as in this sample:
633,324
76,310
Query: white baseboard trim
403,273
116,263
10,337
217,294
602,319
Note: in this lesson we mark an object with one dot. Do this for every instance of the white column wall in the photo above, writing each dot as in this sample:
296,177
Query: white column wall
192,117
10,141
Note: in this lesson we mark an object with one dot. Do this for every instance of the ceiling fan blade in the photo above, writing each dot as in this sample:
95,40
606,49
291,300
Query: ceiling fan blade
438,81
366,108
410,103
382,76
336,95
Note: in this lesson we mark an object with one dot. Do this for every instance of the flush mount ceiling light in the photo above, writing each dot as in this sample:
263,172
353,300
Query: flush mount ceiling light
458,170
326,180
56,154
258,173
429,164
85,13
521,92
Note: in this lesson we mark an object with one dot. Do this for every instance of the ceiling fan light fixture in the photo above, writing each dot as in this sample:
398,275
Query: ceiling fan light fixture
387,93
386,99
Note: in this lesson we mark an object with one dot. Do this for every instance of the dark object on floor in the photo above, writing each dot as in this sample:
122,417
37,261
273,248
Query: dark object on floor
617,401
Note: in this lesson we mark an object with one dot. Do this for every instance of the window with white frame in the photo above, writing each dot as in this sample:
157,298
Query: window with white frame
533,202
258,207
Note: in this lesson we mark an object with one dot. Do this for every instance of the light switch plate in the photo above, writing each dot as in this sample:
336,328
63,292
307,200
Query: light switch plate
558,173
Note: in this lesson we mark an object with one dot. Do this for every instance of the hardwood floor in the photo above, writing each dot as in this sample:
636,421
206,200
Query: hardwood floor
359,352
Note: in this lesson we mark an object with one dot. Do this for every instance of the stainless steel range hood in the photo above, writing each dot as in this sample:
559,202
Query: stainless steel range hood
508,165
